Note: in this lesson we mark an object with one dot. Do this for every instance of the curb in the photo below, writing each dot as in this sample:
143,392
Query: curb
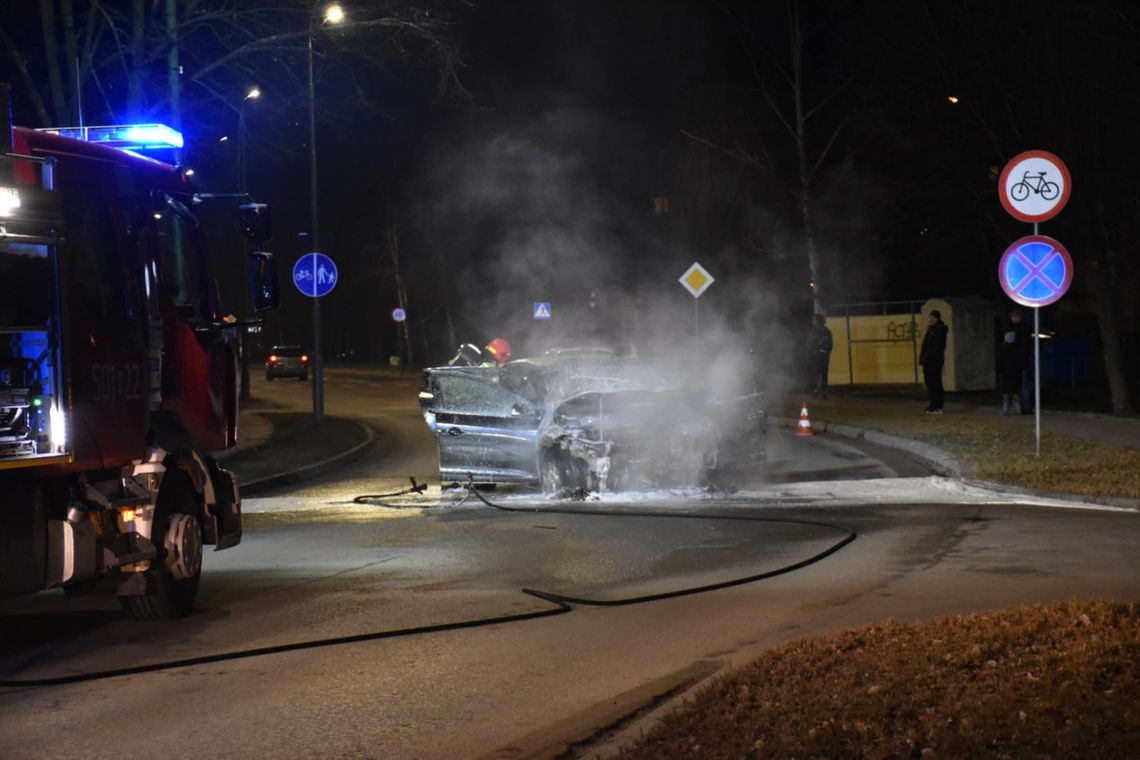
252,487
939,460
947,465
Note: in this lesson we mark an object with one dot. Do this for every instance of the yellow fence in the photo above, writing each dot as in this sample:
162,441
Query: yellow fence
882,349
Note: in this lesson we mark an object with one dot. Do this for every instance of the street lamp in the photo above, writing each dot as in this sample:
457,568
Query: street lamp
243,343
253,94
334,14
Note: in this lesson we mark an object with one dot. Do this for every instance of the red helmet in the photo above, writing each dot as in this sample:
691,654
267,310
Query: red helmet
499,349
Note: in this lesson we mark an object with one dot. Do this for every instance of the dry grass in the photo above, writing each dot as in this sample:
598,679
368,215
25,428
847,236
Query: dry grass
1002,452
1037,682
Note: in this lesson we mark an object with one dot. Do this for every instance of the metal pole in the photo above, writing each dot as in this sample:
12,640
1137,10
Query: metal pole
1037,373
314,236
243,331
850,346
914,341
1037,370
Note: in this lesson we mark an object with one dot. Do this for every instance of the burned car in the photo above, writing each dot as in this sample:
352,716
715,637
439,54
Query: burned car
591,420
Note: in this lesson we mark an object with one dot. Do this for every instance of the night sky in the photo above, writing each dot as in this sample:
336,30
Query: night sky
535,179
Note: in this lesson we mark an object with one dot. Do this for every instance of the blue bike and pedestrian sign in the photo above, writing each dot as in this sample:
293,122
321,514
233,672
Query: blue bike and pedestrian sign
1035,270
314,274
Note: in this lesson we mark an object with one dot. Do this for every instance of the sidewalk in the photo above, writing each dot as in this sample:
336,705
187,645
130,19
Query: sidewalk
276,447
1090,455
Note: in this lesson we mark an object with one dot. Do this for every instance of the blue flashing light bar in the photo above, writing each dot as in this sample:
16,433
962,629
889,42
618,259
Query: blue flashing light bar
126,136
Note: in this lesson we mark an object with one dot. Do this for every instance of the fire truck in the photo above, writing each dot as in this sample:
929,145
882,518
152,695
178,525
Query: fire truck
117,368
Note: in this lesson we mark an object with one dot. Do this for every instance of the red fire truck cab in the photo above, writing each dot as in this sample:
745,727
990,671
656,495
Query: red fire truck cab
117,371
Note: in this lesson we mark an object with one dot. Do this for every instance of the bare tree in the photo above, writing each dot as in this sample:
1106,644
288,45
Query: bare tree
168,60
1016,96
781,107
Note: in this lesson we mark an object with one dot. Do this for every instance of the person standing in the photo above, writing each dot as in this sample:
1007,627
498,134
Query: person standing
931,357
1010,362
821,356
1024,343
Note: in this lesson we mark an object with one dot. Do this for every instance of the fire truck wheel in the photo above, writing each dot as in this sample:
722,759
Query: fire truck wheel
172,581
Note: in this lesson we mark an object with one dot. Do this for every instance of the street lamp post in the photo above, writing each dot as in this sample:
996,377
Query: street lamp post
243,334
333,14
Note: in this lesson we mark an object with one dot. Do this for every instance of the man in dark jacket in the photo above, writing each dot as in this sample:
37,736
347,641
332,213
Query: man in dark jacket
931,357
821,356
1023,340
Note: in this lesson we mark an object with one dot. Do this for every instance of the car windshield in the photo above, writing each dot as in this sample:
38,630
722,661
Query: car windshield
286,350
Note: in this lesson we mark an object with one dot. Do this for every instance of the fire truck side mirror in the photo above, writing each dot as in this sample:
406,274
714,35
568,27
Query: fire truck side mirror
263,281
255,222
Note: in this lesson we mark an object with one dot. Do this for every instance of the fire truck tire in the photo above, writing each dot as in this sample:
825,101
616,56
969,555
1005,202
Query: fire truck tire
172,582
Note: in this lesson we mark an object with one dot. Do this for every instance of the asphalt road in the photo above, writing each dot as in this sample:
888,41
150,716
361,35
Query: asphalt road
346,630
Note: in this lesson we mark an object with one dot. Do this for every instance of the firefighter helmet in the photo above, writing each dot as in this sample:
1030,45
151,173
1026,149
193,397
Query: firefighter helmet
499,349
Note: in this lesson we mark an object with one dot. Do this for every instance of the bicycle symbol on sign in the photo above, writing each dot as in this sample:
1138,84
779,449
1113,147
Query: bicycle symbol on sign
304,275
1046,189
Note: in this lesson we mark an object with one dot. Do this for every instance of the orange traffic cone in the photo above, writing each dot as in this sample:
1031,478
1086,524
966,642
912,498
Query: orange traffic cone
804,428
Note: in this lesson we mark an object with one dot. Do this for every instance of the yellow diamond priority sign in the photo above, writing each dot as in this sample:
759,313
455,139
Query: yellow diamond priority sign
696,280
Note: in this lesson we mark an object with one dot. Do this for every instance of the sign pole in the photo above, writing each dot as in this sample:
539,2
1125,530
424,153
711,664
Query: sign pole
1035,271
315,275
696,280
1037,371
1037,374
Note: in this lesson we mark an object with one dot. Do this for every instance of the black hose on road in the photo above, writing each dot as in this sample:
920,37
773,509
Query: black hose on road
561,602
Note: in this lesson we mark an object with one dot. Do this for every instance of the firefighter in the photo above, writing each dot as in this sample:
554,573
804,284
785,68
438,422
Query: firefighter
496,353
469,355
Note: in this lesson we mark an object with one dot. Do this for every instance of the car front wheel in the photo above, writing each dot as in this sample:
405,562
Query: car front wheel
560,473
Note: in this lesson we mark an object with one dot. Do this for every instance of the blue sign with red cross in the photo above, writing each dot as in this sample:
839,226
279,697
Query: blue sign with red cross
1035,271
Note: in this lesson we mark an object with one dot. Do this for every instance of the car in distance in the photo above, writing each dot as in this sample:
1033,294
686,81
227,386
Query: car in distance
287,361
583,421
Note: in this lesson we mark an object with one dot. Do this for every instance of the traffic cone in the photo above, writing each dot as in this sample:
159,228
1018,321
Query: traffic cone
804,427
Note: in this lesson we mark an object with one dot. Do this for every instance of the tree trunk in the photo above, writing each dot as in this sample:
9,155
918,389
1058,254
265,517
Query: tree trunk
71,52
51,60
173,69
401,298
137,67
21,64
1108,316
804,190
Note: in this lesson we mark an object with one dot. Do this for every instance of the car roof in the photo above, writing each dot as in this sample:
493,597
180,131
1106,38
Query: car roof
568,373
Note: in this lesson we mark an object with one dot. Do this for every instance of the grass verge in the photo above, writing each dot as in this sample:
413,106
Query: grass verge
1002,452
1061,680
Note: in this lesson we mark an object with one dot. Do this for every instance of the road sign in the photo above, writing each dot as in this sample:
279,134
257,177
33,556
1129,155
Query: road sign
1035,271
542,309
1034,186
399,315
314,274
696,280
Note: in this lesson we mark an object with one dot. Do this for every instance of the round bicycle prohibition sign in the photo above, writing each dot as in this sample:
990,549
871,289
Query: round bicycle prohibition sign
1035,186
1035,271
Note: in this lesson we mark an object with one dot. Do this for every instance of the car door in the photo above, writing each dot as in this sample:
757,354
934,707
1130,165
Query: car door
482,428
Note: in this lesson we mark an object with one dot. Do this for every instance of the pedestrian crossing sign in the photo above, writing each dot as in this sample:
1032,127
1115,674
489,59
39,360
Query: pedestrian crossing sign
542,310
